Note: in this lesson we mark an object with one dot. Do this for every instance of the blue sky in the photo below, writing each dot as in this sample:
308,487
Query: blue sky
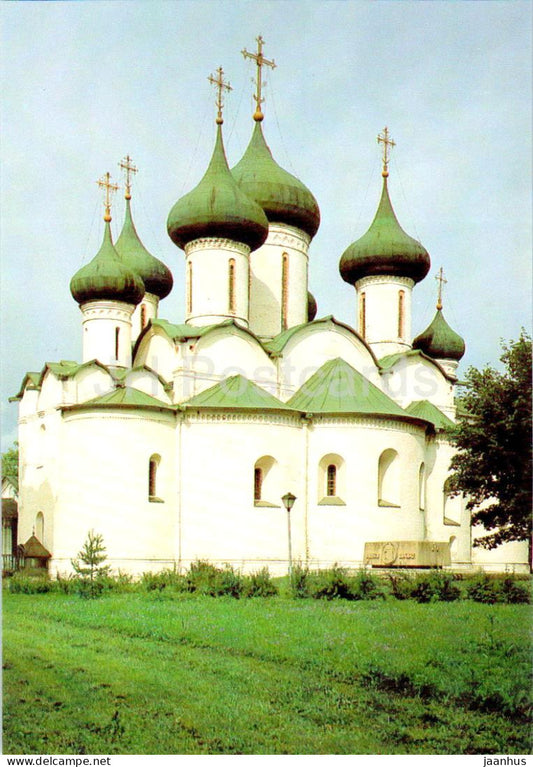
85,83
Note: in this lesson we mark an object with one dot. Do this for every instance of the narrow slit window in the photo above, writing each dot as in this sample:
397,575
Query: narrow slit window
258,483
143,316
153,466
401,313
189,287
362,314
231,286
285,291
331,488
117,340
422,487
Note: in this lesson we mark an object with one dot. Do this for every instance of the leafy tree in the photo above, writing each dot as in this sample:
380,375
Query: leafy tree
88,566
10,464
493,463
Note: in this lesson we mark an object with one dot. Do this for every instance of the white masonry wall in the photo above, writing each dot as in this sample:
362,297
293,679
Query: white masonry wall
101,320
266,290
207,298
382,326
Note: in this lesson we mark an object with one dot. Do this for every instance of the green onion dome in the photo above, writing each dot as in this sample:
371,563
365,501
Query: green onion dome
106,277
384,249
439,340
156,276
311,307
217,207
281,195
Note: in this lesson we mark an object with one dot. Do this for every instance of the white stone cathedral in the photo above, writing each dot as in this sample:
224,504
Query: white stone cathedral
176,441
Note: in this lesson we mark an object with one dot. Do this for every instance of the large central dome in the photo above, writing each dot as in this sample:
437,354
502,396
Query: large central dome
282,196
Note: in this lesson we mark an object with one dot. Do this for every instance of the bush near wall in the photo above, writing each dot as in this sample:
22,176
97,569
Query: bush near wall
331,583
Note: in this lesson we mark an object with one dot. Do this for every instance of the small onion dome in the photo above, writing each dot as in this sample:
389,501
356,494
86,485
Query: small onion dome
439,340
281,195
153,272
107,277
384,249
217,207
311,307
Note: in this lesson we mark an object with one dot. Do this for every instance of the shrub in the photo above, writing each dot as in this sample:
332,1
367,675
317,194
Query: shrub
22,583
164,579
66,584
513,592
435,586
260,584
400,584
366,585
483,588
300,582
228,582
333,583
205,578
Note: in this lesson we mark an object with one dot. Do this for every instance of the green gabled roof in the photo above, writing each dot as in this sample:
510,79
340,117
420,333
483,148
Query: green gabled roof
283,197
179,332
422,408
439,340
31,381
338,388
384,249
278,343
217,207
126,396
184,332
390,360
236,392
156,277
63,368
34,380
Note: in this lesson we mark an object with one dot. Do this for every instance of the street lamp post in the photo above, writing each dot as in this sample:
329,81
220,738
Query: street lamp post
288,501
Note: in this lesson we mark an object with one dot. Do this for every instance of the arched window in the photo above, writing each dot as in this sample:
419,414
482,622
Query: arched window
143,316
231,285
362,314
267,491
401,314
117,336
422,487
39,526
331,480
389,478
189,287
285,291
331,488
453,546
452,505
153,468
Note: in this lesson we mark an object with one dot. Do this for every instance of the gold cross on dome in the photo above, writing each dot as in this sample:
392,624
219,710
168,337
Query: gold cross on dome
106,183
220,85
127,165
261,62
440,279
385,139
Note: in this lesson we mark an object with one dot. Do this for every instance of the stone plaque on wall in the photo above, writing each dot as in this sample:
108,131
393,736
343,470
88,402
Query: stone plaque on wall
407,554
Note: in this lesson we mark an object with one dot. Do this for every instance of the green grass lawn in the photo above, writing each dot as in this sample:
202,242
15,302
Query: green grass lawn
155,674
